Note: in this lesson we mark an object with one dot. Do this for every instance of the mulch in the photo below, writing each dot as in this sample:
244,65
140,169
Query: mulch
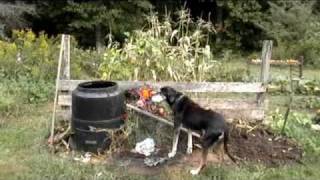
263,146
259,145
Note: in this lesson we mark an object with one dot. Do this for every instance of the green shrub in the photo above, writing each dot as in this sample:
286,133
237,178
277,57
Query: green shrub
308,87
85,63
28,55
226,73
298,127
29,67
24,90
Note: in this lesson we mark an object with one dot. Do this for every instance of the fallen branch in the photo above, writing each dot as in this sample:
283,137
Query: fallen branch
165,121
60,136
66,144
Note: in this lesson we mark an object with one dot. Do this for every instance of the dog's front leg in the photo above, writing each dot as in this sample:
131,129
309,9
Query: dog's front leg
175,142
189,147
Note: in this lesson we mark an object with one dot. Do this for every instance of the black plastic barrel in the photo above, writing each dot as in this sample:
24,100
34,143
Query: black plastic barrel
96,106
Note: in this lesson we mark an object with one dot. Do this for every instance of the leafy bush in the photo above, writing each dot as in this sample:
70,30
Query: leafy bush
303,87
16,92
227,73
308,87
29,67
85,63
28,55
298,127
25,90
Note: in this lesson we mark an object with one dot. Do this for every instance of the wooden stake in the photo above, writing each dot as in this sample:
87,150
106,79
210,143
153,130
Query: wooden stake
265,66
56,91
286,115
301,61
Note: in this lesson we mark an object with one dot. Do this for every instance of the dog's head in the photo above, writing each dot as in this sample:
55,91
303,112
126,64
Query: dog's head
170,94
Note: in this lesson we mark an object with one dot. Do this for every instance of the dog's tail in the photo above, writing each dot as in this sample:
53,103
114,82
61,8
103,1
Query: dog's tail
225,145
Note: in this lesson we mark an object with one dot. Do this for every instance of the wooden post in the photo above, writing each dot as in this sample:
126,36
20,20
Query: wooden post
66,58
301,61
265,66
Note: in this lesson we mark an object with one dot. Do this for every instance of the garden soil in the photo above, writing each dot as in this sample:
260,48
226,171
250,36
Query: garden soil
248,146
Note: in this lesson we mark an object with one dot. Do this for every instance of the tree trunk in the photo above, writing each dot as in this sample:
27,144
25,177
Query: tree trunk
219,24
99,38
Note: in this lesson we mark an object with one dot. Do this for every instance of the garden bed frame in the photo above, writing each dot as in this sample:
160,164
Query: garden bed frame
296,65
231,108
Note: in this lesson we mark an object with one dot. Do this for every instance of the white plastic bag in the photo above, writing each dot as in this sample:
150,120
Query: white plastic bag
145,147
157,98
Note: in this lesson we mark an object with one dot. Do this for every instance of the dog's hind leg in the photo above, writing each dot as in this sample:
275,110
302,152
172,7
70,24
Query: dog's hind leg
203,162
220,151
208,140
189,148
175,142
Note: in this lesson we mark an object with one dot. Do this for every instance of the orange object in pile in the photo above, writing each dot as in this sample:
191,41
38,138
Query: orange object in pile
146,92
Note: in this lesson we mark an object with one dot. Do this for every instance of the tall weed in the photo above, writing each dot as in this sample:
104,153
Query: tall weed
163,51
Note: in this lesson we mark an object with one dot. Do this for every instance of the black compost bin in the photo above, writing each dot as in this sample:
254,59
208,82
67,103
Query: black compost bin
96,105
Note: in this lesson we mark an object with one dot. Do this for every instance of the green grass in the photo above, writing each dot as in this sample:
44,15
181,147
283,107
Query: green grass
275,71
24,155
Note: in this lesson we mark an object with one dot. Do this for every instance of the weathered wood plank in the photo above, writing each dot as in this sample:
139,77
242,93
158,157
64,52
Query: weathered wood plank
288,62
63,114
213,103
218,103
230,108
236,87
229,114
246,115
64,100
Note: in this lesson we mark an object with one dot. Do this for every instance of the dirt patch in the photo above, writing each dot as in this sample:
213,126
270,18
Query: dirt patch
258,146
261,145
134,163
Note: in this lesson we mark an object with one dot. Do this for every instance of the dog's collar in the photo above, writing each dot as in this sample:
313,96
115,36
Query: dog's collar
179,99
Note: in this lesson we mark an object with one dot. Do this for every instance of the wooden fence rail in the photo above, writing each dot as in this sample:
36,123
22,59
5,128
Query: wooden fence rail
231,108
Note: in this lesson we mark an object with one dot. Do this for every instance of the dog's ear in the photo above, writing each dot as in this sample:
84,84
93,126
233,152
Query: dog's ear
171,99
165,90
170,93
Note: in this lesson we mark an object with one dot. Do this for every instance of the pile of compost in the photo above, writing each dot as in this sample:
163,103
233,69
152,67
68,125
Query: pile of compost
263,146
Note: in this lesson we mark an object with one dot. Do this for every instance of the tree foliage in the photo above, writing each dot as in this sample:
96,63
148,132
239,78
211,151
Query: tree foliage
295,28
86,18
12,16
240,25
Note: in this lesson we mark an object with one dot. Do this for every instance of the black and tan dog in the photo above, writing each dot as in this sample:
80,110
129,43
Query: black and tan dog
193,117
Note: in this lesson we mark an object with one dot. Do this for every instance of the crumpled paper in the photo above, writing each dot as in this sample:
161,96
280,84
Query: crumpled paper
145,147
